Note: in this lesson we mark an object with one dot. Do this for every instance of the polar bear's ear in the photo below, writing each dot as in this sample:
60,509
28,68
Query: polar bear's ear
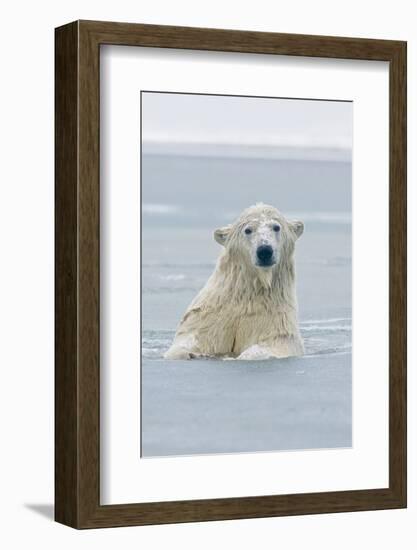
297,227
221,234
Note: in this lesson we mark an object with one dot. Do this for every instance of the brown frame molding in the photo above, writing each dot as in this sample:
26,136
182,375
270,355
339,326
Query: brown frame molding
77,361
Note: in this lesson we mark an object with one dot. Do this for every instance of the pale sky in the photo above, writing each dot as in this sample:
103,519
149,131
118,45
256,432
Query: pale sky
188,118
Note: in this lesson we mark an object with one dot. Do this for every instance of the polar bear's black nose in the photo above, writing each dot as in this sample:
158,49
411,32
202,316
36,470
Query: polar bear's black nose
264,253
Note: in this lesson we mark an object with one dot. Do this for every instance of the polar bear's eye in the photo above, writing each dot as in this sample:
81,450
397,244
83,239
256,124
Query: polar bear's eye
276,228
248,231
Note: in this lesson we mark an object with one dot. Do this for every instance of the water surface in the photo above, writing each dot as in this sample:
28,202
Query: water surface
214,406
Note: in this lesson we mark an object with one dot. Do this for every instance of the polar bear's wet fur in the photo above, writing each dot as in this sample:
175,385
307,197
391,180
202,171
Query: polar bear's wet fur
248,307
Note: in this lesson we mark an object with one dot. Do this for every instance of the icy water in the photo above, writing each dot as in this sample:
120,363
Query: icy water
214,406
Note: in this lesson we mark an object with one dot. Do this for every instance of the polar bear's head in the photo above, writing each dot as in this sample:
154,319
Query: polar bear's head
261,237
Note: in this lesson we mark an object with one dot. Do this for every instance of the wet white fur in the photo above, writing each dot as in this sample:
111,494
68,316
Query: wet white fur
246,311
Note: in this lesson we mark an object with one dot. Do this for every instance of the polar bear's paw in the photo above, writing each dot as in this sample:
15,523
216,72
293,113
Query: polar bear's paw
179,353
255,353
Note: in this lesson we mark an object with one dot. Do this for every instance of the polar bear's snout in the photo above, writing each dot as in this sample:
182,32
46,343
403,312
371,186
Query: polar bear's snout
265,255
262,238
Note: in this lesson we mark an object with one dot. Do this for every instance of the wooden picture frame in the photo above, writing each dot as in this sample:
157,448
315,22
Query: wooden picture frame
77,364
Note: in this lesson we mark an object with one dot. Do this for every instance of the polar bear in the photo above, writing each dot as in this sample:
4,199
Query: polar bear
248,307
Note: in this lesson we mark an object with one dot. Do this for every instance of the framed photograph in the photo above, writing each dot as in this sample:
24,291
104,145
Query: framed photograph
230,274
